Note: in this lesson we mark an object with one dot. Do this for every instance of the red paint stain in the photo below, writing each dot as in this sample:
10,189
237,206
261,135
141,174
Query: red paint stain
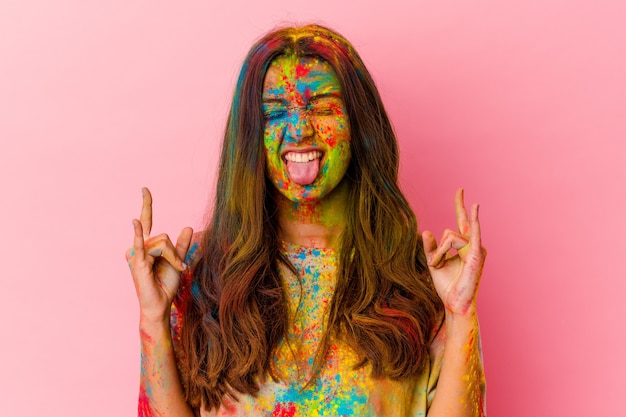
302,70
330,141
229,408
145,336
284,410
143,408
308,213
481,406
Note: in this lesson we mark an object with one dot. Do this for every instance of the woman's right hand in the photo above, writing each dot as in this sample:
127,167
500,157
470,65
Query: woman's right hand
156,264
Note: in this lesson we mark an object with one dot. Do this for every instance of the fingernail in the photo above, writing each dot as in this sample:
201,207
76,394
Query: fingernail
184,265
429,260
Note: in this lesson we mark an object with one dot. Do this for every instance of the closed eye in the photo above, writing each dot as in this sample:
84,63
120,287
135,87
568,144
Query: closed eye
325,106
275,114
323,110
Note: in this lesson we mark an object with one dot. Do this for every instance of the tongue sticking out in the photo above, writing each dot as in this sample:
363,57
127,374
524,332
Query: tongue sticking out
303,173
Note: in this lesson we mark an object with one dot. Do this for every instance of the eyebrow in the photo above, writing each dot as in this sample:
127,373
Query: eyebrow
272,100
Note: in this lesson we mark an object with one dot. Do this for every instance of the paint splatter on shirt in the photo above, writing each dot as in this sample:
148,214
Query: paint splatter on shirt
338,390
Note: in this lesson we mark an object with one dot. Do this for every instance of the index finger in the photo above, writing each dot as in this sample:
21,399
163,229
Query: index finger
461,213
146,213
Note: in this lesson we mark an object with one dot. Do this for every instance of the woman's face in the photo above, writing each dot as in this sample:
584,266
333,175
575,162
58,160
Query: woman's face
307,135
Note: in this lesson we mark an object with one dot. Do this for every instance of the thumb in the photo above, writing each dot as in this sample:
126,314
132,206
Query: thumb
430,244
182,244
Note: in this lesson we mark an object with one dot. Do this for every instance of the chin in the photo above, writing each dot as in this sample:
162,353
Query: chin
304,195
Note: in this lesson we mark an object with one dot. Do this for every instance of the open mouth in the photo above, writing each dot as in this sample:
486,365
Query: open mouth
300,157
303,167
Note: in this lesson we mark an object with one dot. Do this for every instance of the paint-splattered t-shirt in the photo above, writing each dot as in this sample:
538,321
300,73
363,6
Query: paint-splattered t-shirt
339,390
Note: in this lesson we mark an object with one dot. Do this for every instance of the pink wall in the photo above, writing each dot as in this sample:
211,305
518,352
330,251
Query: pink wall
521,102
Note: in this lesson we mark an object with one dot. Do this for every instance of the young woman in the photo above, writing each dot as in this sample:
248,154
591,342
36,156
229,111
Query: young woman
311,292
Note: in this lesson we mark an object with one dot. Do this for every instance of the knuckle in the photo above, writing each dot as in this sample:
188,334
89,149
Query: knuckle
130,253
160,245
448,234
163,237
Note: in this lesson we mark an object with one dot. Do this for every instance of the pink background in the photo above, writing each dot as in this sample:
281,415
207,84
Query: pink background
522,102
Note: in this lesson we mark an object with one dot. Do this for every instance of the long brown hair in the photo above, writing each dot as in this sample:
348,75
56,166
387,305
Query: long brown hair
384,305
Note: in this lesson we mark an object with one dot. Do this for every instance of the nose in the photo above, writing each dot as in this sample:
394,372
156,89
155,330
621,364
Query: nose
299,125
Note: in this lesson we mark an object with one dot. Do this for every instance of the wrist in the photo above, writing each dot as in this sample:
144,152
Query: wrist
155,317
151,328
466,313
461,324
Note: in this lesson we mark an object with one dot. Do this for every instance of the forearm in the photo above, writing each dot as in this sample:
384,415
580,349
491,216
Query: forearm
161,391
461,381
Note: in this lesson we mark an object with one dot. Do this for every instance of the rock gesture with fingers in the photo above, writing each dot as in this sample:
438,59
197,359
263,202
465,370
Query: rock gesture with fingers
155,264
456,275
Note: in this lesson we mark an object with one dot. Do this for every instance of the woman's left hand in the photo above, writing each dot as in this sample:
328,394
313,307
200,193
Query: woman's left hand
456,276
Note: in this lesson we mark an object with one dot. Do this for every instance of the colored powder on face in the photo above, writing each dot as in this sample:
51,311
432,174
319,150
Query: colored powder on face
302,70
303,109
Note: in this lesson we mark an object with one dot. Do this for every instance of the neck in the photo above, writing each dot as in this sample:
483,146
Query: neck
316,224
